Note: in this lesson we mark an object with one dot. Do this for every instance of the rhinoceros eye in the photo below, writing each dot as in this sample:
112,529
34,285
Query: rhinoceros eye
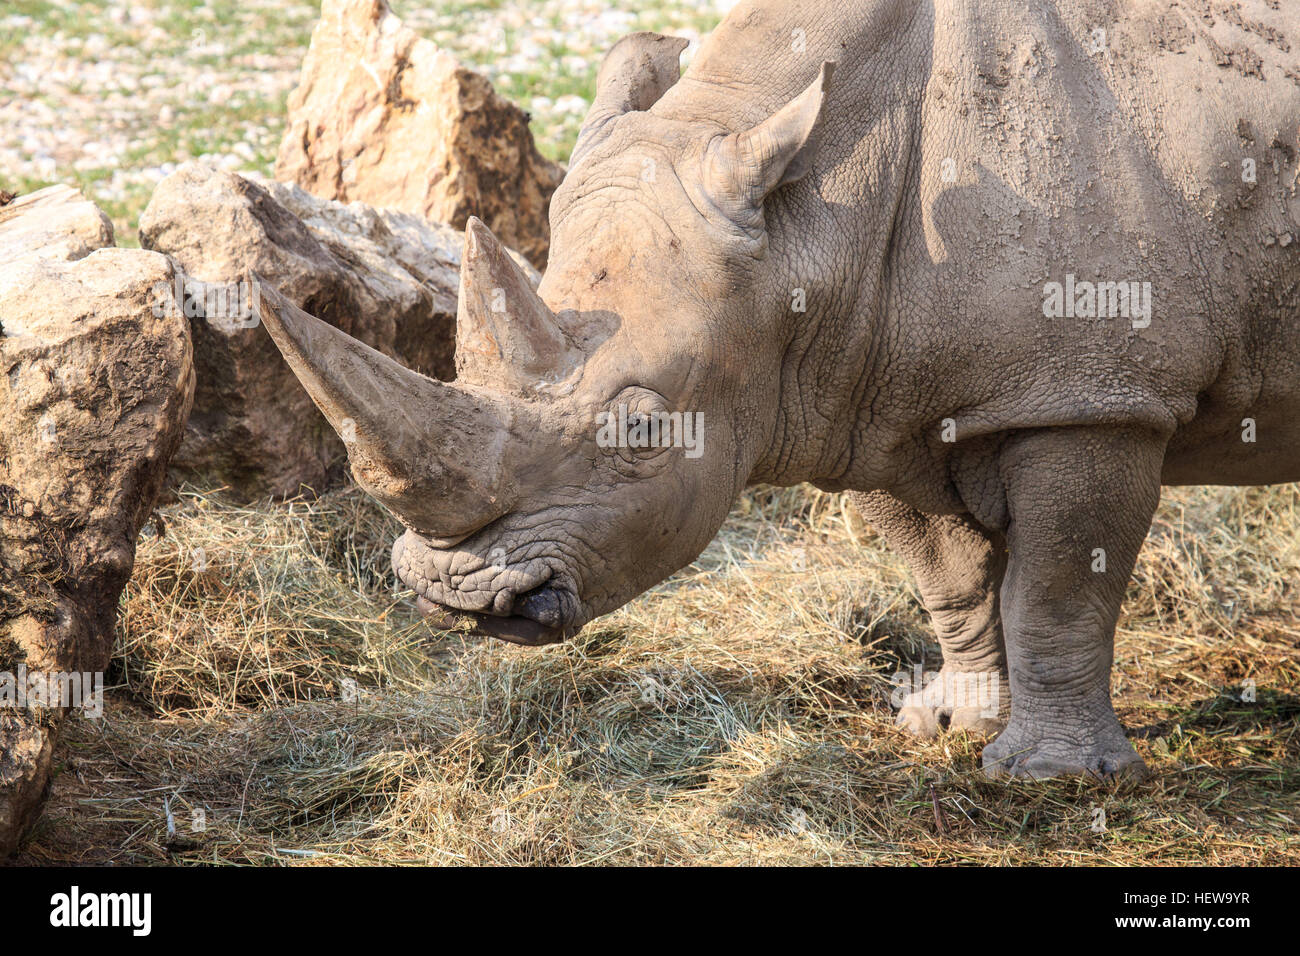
637,425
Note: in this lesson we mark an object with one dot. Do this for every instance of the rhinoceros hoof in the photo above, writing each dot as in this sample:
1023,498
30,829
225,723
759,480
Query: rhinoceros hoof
1106,756
940,707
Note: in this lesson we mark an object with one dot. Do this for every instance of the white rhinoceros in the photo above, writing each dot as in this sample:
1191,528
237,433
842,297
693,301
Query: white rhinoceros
998,268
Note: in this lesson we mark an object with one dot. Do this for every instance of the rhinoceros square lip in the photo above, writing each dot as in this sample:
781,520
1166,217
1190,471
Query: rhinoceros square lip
516,629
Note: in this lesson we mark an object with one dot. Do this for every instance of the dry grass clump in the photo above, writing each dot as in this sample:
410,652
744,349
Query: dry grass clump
738,713
235,606
1216,556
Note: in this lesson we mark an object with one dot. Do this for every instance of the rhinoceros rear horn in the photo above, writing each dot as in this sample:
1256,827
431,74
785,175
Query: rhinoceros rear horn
432,453
637,71
506,336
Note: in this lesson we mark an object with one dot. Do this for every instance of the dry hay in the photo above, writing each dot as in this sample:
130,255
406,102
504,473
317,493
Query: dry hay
737,713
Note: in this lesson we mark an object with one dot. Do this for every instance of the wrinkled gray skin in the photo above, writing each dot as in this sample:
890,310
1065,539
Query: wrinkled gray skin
962,155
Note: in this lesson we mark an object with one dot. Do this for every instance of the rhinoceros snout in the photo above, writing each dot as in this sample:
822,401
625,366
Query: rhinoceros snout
523,612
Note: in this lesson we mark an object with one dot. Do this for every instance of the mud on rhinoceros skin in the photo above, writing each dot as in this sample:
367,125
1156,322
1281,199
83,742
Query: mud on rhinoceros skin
838,252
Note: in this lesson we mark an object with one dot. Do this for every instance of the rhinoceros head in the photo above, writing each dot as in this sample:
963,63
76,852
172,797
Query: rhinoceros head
599,427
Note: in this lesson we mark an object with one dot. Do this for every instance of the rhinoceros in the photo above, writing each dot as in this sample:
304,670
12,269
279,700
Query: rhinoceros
997,269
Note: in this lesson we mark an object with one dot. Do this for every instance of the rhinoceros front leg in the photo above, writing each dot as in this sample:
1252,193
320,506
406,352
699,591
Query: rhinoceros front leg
958,568
1079,504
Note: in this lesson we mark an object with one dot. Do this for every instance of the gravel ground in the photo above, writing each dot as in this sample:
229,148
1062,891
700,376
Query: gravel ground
114,94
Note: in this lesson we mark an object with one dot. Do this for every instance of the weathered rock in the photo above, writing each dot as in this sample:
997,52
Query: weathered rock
98,379
387,278
52,223
385,117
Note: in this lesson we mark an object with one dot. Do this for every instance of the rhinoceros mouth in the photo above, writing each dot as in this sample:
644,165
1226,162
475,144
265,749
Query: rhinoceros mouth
538,618
536,608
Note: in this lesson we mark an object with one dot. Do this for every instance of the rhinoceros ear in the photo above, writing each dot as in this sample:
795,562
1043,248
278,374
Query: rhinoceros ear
743,168
633,76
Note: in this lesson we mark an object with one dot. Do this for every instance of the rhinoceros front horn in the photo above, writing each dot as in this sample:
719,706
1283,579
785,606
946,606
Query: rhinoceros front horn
434,454
506,336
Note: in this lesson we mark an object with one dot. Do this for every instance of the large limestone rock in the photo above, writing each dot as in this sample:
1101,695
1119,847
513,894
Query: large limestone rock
388,278
98,381
385,117
57,222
